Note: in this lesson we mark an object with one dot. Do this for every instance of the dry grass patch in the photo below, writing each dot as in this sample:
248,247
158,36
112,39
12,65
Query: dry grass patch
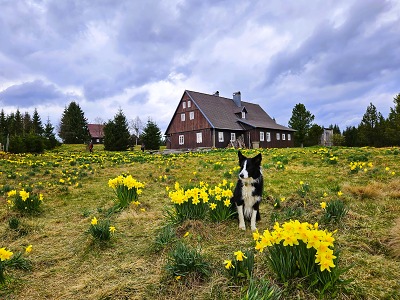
394,242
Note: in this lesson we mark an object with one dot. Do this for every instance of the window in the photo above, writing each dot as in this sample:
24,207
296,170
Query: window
233,137
268,136
289,137
191,115
261,136
97,140
283,137
181,139
189,103
199,138
183,117
243,115
184,105
278,136
220,137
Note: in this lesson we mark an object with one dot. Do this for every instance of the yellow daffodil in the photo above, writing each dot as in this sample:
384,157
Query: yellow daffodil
5,254
239,255
28,249
112,229
94,221
213,206
228,264
323,205
186,234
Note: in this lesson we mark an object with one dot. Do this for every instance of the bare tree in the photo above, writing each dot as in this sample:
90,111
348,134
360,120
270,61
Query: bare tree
137,126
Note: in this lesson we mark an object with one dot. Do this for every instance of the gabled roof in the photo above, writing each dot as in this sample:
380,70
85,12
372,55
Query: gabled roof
221,113
96,130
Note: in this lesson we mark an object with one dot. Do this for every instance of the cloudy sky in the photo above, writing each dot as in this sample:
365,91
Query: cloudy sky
334,56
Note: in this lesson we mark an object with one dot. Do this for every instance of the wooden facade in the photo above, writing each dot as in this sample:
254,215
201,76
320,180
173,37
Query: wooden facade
202,120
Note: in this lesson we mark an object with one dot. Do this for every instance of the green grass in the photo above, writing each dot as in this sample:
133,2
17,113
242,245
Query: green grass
66,264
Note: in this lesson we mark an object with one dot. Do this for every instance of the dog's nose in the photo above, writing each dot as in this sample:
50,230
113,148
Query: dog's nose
241,175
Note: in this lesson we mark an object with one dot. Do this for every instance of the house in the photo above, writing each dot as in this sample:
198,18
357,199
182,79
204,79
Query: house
96,133
203,120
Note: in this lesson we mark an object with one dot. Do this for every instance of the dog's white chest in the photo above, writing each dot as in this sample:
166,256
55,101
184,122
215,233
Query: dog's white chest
248,198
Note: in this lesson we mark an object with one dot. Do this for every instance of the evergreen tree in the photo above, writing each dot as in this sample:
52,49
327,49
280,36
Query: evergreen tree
393,123
151,136
37,127
116,133
314,135
350,136
27,123
48,134
73,127
3,127
18,123
368,128
300,121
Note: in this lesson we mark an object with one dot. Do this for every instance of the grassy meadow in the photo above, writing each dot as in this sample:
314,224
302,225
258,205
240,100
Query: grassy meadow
68,263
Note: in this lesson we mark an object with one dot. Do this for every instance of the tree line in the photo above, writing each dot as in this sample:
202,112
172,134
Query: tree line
374,130
73,129
25,133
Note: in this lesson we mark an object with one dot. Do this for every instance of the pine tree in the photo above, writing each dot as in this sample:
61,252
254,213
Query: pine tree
116,133
351,136
27,121
368,128
300,121
19,123
151,136
393,123
48,134
73,127
37,127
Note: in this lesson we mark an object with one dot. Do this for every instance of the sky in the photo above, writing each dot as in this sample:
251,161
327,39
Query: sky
334,56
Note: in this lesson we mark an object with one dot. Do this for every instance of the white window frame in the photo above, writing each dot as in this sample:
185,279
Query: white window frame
199,137
289,137
183,104
181,139
262,136
233,136
243,115
283,137
268,136
183,117
278,136
189,103
221,136
191,115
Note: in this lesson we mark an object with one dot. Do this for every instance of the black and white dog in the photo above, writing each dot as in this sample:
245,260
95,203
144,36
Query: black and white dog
248,191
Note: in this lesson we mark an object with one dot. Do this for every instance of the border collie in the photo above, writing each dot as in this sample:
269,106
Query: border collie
248,191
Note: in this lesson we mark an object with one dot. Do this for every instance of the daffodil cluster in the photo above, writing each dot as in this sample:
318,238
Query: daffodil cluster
24,201
356,166
241,267
195,202
294,233
126,188
101,230
4,256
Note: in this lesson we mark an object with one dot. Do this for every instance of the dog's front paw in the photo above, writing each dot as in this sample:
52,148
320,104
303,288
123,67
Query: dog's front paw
253,228
242,226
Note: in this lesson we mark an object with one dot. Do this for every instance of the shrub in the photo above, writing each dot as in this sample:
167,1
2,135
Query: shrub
184,260
24,201
126,188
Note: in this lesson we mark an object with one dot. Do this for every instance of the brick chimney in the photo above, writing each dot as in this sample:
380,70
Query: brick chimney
237,98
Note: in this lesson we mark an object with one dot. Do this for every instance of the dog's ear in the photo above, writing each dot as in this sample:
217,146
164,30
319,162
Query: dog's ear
257,159
241,156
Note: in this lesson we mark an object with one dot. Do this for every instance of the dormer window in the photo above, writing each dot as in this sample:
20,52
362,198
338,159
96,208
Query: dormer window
183,105
189,103
243,115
